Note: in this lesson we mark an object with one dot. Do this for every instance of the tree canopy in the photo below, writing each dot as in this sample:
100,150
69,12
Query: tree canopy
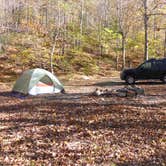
77,35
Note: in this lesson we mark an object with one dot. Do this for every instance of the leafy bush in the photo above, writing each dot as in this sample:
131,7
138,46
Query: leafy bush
85,63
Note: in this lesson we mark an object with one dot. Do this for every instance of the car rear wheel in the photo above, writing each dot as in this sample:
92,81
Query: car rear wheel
164,79
130,80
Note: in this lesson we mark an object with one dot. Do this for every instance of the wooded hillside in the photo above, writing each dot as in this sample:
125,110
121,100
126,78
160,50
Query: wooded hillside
87,115
83,35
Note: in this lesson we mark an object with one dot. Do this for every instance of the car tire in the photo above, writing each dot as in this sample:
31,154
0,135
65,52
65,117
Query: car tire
130,80
164,79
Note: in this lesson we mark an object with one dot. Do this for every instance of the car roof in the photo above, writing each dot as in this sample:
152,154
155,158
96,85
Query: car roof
153,59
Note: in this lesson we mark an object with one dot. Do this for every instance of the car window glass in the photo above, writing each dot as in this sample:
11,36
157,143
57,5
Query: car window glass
146,65
155,65
160,65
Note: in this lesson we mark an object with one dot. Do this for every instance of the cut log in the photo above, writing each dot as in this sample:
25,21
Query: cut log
130,91
127,91
98,92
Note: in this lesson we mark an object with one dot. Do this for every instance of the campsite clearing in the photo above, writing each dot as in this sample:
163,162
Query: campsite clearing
81,129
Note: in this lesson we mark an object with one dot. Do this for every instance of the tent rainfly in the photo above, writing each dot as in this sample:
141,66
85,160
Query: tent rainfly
37,81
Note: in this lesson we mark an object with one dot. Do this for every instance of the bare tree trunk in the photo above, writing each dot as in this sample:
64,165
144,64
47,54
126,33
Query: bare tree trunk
52,53
27,15
82,15
117,56
146,56
6,5
46,16
81,22
117,61
64,34
100,36
165,45
51,58
123,51
154,28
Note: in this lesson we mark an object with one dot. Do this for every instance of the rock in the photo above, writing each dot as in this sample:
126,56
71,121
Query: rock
85,77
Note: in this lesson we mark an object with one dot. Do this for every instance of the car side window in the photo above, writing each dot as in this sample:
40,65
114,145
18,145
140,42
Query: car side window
161,65
146,66
155,66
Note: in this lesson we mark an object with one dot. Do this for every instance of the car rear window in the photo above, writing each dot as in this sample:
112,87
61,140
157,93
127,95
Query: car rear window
147,65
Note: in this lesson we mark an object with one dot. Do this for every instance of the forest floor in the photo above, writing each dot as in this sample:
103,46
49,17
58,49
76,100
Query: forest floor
78,128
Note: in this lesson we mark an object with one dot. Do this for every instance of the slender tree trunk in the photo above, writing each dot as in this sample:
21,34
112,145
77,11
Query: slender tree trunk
64,34
100,37
6,5
46,13
117,55
165,45
117,60
146,56
154,28
52,53
51,58
82,15
123,51
81,22
27,15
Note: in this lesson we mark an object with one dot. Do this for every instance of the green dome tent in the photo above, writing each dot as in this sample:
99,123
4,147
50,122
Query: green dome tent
37,81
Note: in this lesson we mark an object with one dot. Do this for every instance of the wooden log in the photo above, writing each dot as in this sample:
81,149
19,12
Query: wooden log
127,91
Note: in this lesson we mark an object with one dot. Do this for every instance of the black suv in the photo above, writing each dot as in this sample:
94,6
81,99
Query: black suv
151,69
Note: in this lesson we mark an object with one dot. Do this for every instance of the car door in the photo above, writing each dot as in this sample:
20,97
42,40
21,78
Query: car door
144,71
155,70
162,68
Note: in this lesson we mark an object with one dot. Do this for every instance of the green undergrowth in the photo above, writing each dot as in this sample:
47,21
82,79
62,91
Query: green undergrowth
25,51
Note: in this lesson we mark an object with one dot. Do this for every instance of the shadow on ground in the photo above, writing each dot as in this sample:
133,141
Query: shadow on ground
120,83
58,122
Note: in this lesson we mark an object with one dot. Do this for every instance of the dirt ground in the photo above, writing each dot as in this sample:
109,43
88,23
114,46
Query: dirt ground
80,129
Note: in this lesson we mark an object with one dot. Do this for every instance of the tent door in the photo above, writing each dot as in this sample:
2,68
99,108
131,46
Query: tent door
43,88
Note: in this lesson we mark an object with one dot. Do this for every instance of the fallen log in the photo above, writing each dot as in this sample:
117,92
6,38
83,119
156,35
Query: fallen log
99,92
130,91
127,91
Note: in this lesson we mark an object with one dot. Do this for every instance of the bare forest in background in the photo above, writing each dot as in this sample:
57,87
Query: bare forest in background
81,35
97,120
